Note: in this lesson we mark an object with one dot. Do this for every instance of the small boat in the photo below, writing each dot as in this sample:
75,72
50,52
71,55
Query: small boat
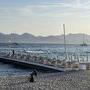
15,43
84,43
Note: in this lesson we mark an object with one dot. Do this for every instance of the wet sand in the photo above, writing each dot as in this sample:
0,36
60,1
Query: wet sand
79,80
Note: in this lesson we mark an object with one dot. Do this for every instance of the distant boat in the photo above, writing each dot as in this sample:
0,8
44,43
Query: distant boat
15,43
84,43
12,44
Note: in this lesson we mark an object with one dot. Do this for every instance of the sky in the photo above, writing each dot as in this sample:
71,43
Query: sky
44,17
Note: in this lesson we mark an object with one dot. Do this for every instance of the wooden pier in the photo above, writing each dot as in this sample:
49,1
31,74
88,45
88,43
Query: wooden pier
31,65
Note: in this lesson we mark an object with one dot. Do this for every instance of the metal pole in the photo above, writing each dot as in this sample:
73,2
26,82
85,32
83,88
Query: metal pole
87,56
83,39
64,39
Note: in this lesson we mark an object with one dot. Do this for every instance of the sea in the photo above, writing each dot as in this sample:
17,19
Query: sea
56,51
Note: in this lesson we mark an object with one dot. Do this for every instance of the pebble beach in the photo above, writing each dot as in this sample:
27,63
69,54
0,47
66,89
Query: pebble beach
75,80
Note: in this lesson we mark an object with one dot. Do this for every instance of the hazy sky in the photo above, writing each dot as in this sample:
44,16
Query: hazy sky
44,17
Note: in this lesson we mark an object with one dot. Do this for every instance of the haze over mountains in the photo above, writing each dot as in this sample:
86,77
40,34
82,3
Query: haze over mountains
59,39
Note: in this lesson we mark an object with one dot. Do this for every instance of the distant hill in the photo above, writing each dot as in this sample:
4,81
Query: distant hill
29,38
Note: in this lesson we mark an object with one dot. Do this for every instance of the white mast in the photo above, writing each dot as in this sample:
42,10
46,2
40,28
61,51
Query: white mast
64,39
83,38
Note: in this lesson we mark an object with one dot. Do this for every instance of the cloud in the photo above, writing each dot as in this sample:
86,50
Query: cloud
70,8
14,11
25,11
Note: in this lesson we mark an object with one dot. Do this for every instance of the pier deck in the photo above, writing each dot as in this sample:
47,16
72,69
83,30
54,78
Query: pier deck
32,65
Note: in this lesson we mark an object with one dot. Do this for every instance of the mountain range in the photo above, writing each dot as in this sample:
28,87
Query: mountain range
58,39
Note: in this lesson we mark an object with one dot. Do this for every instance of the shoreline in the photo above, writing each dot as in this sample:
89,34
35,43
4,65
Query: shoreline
79,80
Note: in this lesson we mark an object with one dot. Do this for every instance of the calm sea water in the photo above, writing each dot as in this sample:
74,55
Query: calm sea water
51,50
8,69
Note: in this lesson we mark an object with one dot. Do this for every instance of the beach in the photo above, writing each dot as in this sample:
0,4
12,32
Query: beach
75,80
13,78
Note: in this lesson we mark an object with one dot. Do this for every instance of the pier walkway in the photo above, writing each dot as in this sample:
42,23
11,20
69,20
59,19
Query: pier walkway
29,64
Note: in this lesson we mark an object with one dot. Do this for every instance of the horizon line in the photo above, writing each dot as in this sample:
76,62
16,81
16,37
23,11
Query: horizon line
40,35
